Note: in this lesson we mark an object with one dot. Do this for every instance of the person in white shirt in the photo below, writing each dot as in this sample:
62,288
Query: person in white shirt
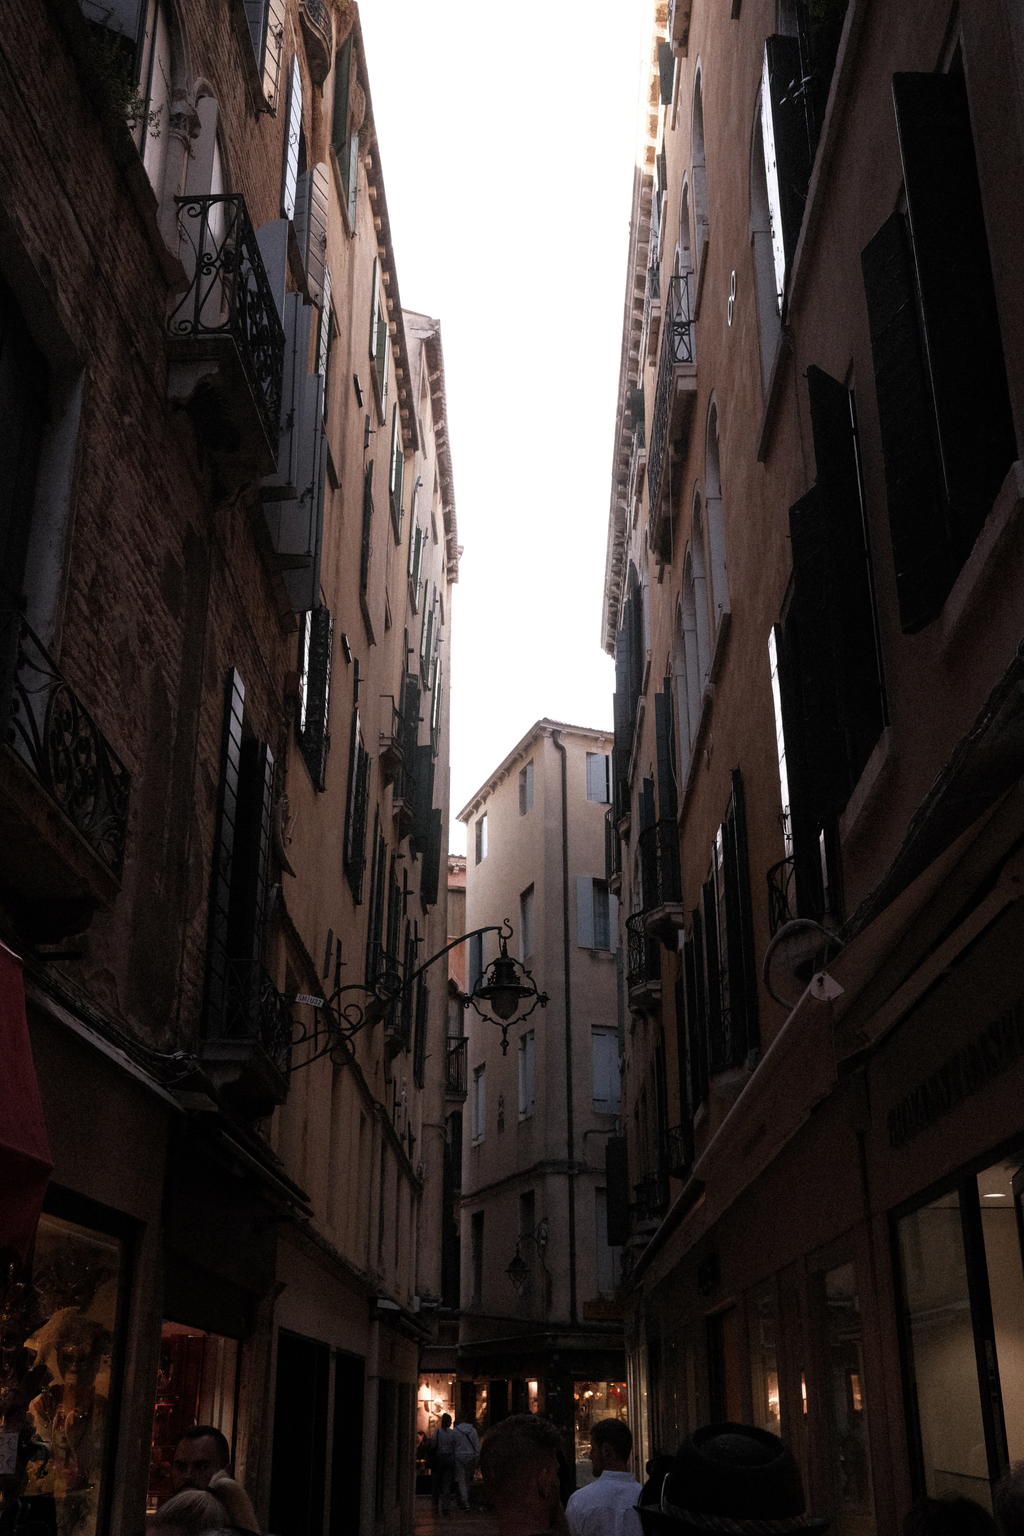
607,1506
467,1455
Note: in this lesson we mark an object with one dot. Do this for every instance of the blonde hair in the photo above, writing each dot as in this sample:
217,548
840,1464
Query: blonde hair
193,1511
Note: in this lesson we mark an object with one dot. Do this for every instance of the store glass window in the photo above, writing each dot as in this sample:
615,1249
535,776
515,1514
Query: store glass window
846,1401
962,1293
197,1383
594,1400
80,1273
763,1321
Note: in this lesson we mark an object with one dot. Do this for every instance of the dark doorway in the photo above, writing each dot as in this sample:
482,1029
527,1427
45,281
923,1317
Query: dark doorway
299,1465
347,1460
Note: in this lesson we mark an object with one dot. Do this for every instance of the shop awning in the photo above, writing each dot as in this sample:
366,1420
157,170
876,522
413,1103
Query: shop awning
25,1164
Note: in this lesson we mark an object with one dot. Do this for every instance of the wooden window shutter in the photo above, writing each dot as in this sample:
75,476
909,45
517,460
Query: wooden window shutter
666,774
964,353
339,119
804,814
397,472
273,51
584,911
311,197
364,556
856,664
743,1022
217,977
918,518
376,319
823,747
292,141
430,874
316,739
419,1051
354,852
24,383
666,74
712,976
422,771
323,344
785,131
648,807
256,16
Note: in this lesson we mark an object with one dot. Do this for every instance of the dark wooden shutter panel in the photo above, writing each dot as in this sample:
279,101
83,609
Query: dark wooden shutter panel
823,754
740,917
273,49
339,121
964,350
666,72
697,1012
917,506
850,612
712,977
789,128
251,854
24,387
354,851
423,769
364,554
419,1052
432,860
666,776
256,16
316,738
616,1178
312,191
223,853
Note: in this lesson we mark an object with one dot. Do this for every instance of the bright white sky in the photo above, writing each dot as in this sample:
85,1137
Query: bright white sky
507,135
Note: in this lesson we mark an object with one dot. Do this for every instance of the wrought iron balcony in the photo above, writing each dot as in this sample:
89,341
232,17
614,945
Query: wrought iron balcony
390,755
51,731
228,312
247,1048
659,864
781,895
651,1194
676,389
643,963
256,1011
652,310
318,33
456,1079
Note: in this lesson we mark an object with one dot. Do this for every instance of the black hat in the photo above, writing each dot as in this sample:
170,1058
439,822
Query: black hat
734,1479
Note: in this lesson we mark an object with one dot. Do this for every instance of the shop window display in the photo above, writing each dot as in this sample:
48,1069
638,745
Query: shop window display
80,1273
846,1404
762,1314
594,1400
196,1384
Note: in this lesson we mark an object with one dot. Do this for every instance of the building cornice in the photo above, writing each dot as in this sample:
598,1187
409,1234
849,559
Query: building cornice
537,731
429,331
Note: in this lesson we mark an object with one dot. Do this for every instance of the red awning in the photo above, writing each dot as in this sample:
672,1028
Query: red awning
25,1164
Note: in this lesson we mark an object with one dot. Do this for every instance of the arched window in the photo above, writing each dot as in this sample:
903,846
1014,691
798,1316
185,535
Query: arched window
715,525
156,86
769,300
683,260
699,183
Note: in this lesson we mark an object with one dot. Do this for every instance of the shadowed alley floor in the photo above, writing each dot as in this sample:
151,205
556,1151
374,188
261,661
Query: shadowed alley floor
476,1523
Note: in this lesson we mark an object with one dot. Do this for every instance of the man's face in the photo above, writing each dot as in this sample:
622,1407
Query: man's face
195,1462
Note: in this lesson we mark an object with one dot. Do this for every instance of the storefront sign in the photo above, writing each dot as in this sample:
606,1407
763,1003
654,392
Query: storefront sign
990,1053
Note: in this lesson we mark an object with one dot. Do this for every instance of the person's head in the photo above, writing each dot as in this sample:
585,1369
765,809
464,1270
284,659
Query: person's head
446,1421
745,1479
1008,1501
611,1442
200,1453
949,1517
519,1465
190,1513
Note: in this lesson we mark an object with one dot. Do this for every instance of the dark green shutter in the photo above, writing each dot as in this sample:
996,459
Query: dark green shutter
315,739
364,554
429,876
339,124
855,662
354,851
743,1023
918,520
666,74
616,1177
217,976
666,774
789,129
963,351
422,796
419,1050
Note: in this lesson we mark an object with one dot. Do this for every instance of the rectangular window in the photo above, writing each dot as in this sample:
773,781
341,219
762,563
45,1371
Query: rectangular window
477,959
354,848
605,1050
526,924
479,1104
316,635
609,1260
476,1230
526,1079
526,788
599,777
380,344
597,914
397,473
481,838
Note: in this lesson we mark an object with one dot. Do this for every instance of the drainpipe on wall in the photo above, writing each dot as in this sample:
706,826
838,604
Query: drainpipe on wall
570,1133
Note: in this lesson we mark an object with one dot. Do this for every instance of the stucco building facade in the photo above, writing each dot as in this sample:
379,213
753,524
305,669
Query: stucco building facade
229,548
540,1327
813,595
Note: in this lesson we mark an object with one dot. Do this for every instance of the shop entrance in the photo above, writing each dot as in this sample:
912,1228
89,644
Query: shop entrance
961,1260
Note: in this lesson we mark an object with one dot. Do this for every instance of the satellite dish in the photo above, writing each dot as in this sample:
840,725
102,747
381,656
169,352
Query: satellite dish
798,950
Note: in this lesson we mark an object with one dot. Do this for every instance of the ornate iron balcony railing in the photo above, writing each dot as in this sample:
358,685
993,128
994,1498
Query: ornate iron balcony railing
230,295
455,1075
781,895
643,954
679,1150
659,864
255,1010
652,296
651,1196
676,347
54,734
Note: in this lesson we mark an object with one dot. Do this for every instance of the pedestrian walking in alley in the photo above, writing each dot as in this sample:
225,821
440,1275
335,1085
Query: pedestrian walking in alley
467,1458
607,1506
730,1478
443,1455
201,1460
192,1512
519,1463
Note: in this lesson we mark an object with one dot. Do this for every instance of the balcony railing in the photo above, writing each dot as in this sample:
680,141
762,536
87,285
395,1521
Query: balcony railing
680,1150
229,295
676,348
643,954
659,864
455,1075
612,848
53,733
651,1196
781,895
255,1010
652,296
